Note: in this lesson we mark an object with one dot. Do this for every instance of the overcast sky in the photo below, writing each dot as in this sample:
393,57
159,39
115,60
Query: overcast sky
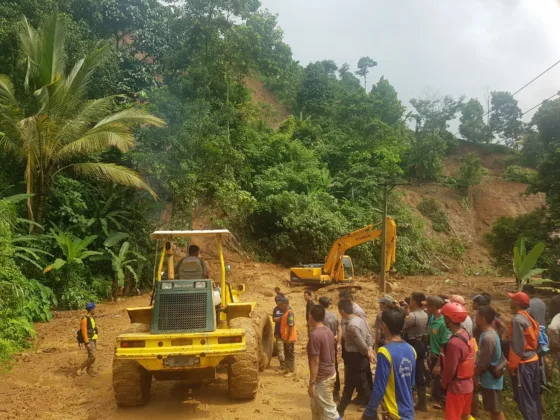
446,46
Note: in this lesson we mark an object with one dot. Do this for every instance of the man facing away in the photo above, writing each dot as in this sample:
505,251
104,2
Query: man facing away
438,335
89,332
331,321
458,358
537,307
394,374
288,334
358,354
322,375
489,356
415,333
192,267
277,314
467,325
523,359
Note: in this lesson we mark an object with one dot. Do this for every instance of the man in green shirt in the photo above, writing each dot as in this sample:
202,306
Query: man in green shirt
439,335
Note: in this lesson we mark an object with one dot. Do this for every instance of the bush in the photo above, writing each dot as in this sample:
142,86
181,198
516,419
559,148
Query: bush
519,174
452,247
471,172
433,211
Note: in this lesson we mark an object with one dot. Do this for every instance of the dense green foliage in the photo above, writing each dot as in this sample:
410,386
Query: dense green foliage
521,174
433,211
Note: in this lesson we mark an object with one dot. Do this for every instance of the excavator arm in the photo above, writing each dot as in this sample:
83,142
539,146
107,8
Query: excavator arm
333,262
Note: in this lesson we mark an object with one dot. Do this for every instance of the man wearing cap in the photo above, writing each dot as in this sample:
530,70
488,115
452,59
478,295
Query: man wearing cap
523,359
438,335
385,302
89,332
467,325
458,357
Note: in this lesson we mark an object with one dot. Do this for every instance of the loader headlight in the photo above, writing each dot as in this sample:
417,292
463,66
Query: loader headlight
200,285
166,285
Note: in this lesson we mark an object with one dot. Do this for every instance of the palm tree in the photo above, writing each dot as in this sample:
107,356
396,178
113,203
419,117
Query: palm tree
54,128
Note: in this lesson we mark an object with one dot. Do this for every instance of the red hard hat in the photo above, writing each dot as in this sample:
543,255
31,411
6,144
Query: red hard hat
455,312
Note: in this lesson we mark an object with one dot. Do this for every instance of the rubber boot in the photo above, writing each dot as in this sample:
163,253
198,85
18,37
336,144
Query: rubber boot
421,406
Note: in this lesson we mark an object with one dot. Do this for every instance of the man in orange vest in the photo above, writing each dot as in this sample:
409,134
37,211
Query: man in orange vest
523,358
288,333
458,357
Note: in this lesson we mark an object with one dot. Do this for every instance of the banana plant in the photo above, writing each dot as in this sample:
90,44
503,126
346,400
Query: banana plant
73,249
524,263
121,260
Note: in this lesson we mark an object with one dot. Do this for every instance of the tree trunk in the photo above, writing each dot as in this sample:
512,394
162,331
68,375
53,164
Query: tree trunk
115,289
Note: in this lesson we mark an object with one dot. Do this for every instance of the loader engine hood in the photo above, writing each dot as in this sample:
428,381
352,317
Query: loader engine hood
183,306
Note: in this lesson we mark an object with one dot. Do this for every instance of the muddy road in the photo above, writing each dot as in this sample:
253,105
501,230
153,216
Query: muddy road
42,383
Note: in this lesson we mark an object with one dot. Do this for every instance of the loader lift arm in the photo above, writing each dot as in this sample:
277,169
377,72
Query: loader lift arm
333,262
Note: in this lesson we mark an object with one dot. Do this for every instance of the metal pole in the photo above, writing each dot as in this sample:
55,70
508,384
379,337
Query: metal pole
383,240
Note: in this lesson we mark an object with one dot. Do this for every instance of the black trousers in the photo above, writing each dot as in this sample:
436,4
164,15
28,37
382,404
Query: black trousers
355,378
438,393
336,389
420,376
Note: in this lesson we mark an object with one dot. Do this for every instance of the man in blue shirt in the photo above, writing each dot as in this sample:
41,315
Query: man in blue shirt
489,357
394,375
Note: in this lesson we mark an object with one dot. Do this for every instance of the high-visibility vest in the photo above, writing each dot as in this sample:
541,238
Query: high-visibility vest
91,328
531,335
465,370
285,328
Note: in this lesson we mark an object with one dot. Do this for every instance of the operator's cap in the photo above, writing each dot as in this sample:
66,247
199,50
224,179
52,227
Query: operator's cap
520,297
90,306
387,300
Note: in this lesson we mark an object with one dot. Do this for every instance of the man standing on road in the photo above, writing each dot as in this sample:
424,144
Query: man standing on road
537,307
438,335
523,359
415,333
394,374
331,321
308,297
554,328
489,357
288,334
357,356
89,332
322,374
458,358
277,318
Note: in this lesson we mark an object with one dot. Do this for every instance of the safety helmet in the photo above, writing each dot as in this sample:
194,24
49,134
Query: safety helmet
455,312
90,306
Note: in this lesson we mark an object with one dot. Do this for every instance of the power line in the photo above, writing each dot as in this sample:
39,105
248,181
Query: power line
536,106
522,88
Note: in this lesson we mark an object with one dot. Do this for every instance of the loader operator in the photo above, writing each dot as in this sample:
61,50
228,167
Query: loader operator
191,267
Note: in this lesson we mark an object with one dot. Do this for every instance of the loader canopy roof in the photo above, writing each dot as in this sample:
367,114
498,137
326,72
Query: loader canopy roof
170,234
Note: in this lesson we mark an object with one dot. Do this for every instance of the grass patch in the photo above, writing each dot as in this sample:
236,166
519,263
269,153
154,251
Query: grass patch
433,211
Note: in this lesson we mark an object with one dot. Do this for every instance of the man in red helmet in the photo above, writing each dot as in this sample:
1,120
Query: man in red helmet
523,359
458,357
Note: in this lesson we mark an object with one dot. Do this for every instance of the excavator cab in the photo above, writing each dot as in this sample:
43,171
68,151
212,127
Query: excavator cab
348,268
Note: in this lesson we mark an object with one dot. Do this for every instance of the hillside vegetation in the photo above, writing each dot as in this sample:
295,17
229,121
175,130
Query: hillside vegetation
111,110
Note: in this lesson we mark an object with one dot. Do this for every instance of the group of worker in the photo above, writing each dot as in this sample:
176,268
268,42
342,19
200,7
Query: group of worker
418,341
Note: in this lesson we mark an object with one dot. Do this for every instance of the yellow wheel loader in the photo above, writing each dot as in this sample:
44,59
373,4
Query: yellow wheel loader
191,328
338,268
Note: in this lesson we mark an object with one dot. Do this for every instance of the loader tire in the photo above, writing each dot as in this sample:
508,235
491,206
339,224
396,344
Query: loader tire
243,370
131,383
265,336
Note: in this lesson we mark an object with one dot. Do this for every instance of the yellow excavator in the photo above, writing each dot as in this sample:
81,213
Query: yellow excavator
338,268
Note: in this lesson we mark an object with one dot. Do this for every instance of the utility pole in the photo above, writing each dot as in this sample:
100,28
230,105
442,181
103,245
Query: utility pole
387,188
